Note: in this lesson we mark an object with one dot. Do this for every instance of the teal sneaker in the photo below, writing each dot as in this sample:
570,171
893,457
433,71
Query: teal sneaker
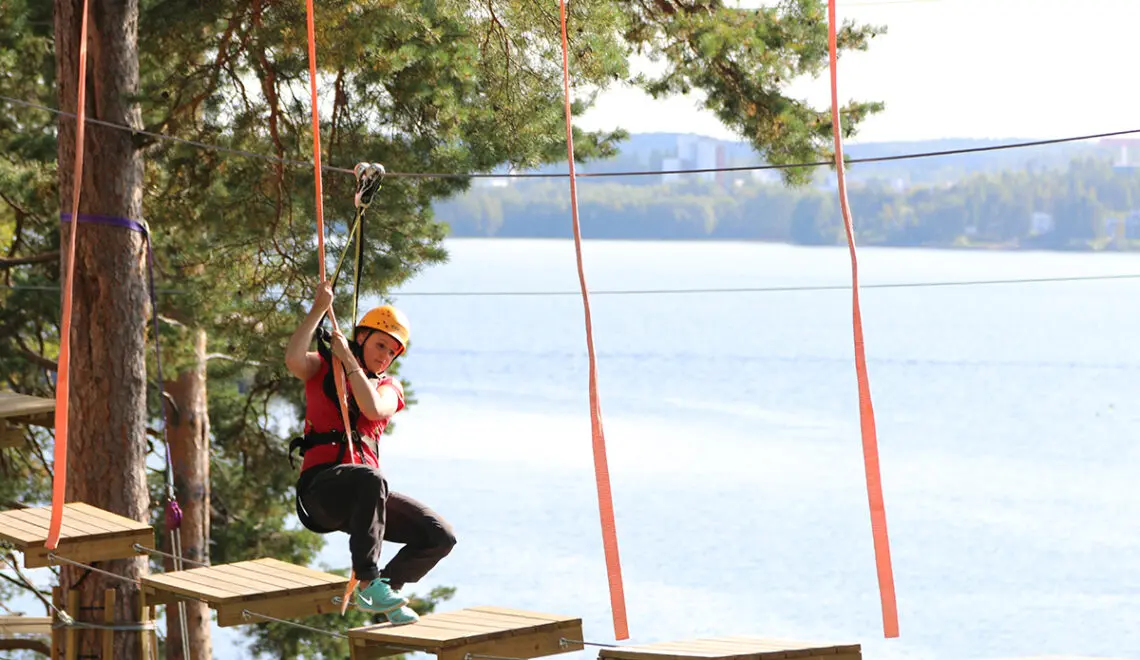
379,597
402,616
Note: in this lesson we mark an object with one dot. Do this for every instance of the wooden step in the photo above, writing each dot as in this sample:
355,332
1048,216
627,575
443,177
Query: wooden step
734,648
25,625
23,409
265,586
88,534
483,630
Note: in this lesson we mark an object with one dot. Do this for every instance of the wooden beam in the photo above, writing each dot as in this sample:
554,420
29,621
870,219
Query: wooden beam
23,409
734,648
483,630
25,625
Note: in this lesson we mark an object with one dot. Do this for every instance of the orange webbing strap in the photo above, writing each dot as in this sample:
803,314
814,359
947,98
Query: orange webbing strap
601,470
866,410
63,380
337,367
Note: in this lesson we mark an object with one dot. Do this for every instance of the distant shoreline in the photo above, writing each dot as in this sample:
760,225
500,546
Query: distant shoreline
957,247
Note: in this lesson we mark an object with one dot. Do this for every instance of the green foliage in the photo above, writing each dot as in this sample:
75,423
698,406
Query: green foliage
1083,200
741,60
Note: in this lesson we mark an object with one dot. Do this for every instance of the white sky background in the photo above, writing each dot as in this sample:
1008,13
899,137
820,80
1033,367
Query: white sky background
954,69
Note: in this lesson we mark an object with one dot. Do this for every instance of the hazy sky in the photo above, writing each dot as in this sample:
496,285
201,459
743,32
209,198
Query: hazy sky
956,68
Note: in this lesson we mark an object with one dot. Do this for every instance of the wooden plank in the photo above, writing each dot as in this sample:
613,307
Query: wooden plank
480,630
84,536
734,648
265,586
24,409
25,625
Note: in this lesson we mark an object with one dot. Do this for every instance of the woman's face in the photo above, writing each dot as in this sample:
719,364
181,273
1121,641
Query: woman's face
379,349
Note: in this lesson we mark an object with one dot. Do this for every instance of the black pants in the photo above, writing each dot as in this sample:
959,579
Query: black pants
355,499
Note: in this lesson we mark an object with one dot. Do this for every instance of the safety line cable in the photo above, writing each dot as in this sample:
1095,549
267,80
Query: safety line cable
743,289
557,175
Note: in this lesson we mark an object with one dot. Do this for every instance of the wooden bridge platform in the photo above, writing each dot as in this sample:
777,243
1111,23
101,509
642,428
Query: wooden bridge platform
483,630
734,648
264,586
88,534
23,409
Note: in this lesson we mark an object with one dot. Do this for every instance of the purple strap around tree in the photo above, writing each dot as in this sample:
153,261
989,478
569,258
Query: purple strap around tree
173,511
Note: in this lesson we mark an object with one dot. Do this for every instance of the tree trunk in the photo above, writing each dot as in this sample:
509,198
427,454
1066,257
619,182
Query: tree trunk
107,443
189,436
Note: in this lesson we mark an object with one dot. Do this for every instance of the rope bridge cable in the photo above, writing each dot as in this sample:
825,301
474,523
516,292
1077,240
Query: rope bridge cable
866,408
710,290
55,557
580,175
771,289
601,468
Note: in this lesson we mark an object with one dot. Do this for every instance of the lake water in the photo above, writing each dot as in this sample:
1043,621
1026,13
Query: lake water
1008,444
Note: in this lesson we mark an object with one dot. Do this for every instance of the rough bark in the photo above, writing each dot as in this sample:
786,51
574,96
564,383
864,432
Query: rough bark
189,436
107,443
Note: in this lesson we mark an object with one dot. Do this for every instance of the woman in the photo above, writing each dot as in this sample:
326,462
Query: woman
348,493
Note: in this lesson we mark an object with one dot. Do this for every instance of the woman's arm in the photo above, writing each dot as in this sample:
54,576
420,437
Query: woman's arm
375,403
300,361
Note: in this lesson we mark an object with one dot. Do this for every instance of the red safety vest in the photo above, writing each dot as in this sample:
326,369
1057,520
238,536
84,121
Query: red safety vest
322,415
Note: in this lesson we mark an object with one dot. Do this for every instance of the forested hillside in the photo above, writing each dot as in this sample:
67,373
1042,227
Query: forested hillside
1063,200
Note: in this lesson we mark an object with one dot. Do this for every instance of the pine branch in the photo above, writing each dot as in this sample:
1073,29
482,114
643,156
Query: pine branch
6,262
230,358
24,583
34,357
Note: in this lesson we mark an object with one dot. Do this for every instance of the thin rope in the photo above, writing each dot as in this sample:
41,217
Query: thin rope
176,541
248,614
245,613
601,468
582,175
143,548
564,642
866,408
117,627
63,374
173,512
754,289
54,557
773,289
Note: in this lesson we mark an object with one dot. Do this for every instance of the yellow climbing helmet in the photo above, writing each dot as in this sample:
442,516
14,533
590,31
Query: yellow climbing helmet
390,321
